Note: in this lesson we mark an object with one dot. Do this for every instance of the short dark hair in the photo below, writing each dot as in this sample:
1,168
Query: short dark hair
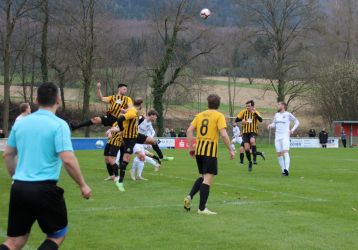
47,94
213,101
284,104
122,85
251,102
152,112
23,106
138,101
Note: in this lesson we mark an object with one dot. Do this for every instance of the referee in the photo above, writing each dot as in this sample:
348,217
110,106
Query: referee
41,141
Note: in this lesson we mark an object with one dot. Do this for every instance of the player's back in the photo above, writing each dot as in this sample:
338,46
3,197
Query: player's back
208,124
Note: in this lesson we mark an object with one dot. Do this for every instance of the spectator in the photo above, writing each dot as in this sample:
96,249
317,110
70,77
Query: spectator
182,133
2,134
166,132
25,110
312,133
343,137
172,133
323,138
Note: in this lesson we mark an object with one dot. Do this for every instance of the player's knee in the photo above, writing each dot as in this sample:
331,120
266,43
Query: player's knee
14,243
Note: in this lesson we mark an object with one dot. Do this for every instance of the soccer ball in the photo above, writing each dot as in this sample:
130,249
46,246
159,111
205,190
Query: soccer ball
99,144
205,13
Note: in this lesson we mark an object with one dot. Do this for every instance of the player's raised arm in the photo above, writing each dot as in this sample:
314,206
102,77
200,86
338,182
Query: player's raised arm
99,94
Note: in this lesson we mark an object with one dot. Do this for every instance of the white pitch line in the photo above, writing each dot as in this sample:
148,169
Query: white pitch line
248,188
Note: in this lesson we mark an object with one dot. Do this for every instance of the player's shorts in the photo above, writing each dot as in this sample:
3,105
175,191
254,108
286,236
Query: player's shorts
237,140
36,201
207,164
282,144
111,150
138,148
108,120
129,143
246,137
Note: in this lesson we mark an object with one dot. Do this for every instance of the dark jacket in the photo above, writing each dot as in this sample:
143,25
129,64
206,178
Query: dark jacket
182,134
323,137
173,134
312,133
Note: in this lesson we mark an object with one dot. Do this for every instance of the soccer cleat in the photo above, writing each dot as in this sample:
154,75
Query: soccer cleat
286,173
206,212
255,162
109,178
157,168
250,167
263,155
140,178
167,158
120,186
187,202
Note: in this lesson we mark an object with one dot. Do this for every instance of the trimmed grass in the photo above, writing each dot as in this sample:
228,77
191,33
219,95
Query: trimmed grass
314,208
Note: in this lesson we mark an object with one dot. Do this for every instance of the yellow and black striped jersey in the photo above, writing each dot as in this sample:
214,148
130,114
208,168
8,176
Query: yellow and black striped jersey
130,124
117,103
208,124
117,137
252,119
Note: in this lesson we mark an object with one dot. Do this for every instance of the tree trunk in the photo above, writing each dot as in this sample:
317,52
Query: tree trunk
86,102
62,91
158,101
43,59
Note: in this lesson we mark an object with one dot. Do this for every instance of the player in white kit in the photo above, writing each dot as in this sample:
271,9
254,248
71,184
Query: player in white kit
282,123
237,138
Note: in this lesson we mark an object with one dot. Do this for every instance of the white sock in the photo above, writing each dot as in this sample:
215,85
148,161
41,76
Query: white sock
151,161
233,147
287,161
118,157
281,162
140,169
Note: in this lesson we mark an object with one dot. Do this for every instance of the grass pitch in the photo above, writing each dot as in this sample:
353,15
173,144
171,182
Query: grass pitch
314,208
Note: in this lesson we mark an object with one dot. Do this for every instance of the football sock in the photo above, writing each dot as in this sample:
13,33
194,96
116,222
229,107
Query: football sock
115,169
83,124
140,168
248,155
109,169
150,161
281,162
204,194
196,187
254,153
48,245
287,161
258,153
156,158
4,247
233,147
157,150
242,155
122,170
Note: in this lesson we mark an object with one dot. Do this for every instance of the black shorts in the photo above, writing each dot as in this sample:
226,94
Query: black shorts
111,150
108,120
36,201
129,143
246,137
207,165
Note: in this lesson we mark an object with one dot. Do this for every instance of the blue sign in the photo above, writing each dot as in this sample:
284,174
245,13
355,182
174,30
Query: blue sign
89,143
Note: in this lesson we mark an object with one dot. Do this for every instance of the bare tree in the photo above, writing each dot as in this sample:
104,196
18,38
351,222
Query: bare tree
283,25
173,61
44,40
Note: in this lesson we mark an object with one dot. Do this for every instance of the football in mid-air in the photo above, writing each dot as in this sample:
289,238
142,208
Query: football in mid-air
99,144
205,13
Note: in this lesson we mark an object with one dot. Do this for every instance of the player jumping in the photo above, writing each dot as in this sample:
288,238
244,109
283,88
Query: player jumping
282,122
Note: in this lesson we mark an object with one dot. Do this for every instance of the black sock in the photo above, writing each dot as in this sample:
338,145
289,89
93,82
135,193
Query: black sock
122,170
258,153
156,158
204,194
4,247
48,245
115,169
248,155
196,187
157,150
242,155
109,169
254,153
83,124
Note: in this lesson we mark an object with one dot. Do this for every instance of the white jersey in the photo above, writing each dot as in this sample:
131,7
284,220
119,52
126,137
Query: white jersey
146,128
282,123
236,132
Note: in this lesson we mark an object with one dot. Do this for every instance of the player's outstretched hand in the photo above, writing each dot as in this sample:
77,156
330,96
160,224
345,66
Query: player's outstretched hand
192,153
86,191
99,85
232,154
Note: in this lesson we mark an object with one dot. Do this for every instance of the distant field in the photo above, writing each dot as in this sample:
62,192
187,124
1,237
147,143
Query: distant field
238,84
314,208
